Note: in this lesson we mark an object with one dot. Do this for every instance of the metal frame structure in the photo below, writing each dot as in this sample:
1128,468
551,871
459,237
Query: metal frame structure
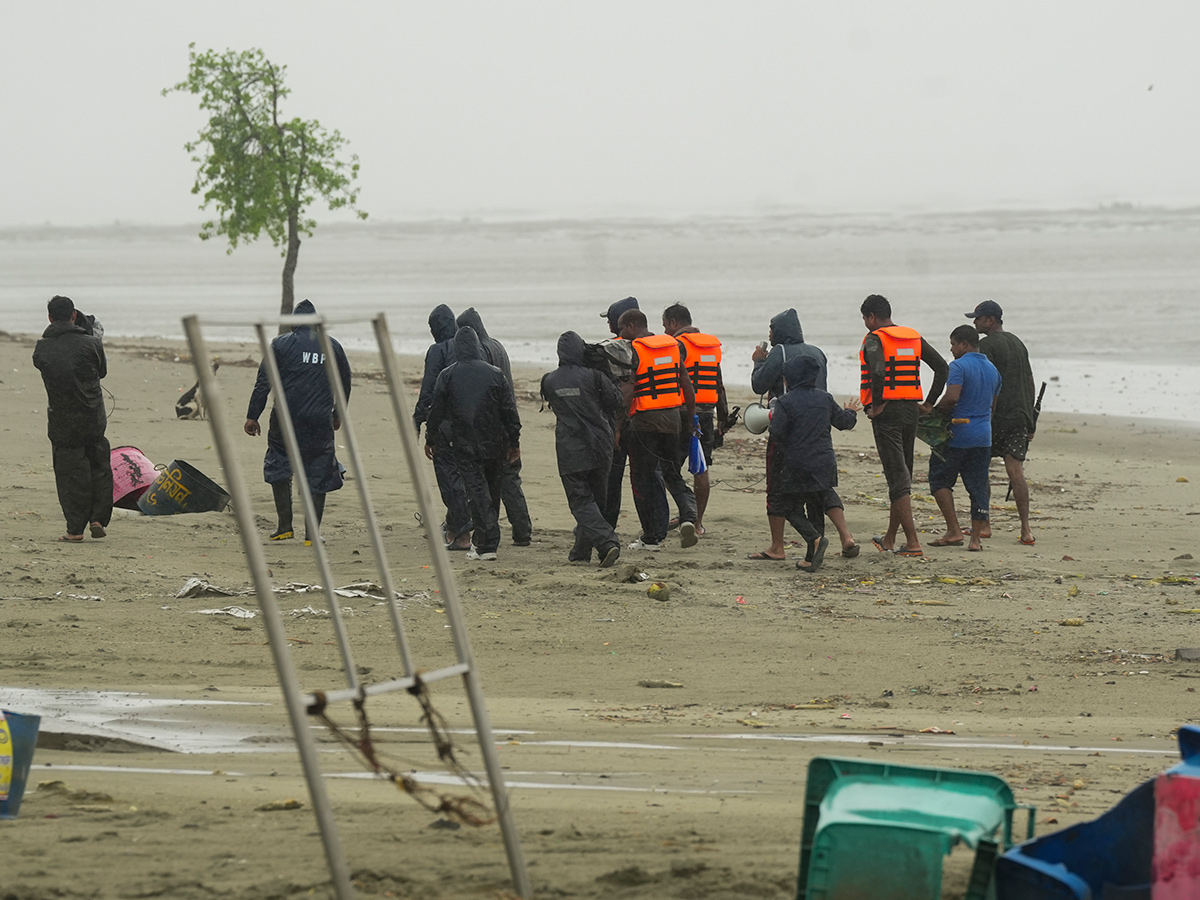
298,703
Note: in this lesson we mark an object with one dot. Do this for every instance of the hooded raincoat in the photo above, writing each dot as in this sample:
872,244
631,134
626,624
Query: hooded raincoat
803,461
473,407
440,355
72,362
493,350
585,403
310,403
768,375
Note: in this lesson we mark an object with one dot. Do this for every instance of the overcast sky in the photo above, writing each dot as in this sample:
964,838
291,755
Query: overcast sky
584,108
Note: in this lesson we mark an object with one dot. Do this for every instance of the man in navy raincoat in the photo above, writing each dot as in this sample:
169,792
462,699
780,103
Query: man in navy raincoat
310,402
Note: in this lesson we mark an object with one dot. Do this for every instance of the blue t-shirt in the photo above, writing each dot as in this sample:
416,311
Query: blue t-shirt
980,382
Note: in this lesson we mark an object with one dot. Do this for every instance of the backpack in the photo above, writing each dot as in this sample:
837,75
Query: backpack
613,357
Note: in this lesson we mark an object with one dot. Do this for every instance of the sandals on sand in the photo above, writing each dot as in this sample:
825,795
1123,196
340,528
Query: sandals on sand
851,551
1028,543
71,539
944,543
760,556
816,555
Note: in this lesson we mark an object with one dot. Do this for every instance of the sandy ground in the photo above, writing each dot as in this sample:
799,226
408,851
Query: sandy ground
653,749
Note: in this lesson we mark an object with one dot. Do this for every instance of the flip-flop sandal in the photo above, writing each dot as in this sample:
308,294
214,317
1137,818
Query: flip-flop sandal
760,557
98,530
453,547
818,556
941,543
851,551
71,539
909,553
878,542
1028,543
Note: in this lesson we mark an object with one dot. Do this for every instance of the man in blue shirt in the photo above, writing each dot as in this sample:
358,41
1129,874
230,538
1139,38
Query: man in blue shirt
971,390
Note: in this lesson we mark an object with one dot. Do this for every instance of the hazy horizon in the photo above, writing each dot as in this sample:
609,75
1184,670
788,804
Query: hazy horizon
667,108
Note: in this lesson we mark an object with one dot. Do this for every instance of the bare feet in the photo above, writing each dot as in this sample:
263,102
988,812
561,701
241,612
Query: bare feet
975,544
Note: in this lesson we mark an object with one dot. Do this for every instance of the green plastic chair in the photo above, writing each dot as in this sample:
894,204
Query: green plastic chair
877,831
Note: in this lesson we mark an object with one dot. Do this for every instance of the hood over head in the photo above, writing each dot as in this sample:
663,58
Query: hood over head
570,349
469,317
801,372
441,323
614,311
303,308
466,344
786,328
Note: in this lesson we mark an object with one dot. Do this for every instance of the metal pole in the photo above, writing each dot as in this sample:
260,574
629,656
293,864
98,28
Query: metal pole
385,575
310,511
458,626
338,870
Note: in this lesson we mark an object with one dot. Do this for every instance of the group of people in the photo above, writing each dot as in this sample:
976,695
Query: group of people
637,399
634,399
988,401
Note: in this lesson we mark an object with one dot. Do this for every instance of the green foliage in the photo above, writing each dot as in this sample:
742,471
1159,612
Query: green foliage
258,169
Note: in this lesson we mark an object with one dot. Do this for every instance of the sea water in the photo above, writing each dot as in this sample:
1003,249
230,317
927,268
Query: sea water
1103,299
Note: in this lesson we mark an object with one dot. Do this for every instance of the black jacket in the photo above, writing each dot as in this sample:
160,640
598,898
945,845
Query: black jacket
309,401
437,357
802,459
474,403
767,377
493,350
585,402
72,362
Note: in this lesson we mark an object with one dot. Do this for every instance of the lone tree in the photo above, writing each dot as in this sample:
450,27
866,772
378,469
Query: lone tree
261,171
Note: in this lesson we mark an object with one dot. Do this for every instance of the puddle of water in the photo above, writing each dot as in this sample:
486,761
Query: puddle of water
181,726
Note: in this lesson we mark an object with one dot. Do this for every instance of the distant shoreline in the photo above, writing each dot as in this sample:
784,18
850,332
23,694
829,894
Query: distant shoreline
480,220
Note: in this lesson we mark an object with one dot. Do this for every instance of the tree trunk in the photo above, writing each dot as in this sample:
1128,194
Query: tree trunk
288,301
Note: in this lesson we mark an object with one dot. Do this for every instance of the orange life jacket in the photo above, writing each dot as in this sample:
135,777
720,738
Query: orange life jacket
656,382
901,365
703,364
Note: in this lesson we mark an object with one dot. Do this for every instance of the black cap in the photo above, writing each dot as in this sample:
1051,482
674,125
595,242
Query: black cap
614,310
987,308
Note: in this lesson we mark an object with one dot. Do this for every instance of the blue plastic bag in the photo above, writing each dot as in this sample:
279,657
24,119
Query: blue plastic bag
696,463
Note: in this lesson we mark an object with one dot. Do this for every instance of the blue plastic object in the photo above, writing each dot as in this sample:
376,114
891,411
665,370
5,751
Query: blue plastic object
24,729
1108,857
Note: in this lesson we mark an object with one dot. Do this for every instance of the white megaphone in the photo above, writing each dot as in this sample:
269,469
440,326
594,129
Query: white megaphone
757,417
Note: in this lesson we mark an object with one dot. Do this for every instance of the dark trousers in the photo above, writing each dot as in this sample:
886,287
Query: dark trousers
281,491
481,480
454,497
804,512
515,506
585,492
83,476
654,461
616,480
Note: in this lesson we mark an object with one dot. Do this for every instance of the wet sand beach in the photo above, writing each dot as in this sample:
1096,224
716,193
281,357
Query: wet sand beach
652,749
